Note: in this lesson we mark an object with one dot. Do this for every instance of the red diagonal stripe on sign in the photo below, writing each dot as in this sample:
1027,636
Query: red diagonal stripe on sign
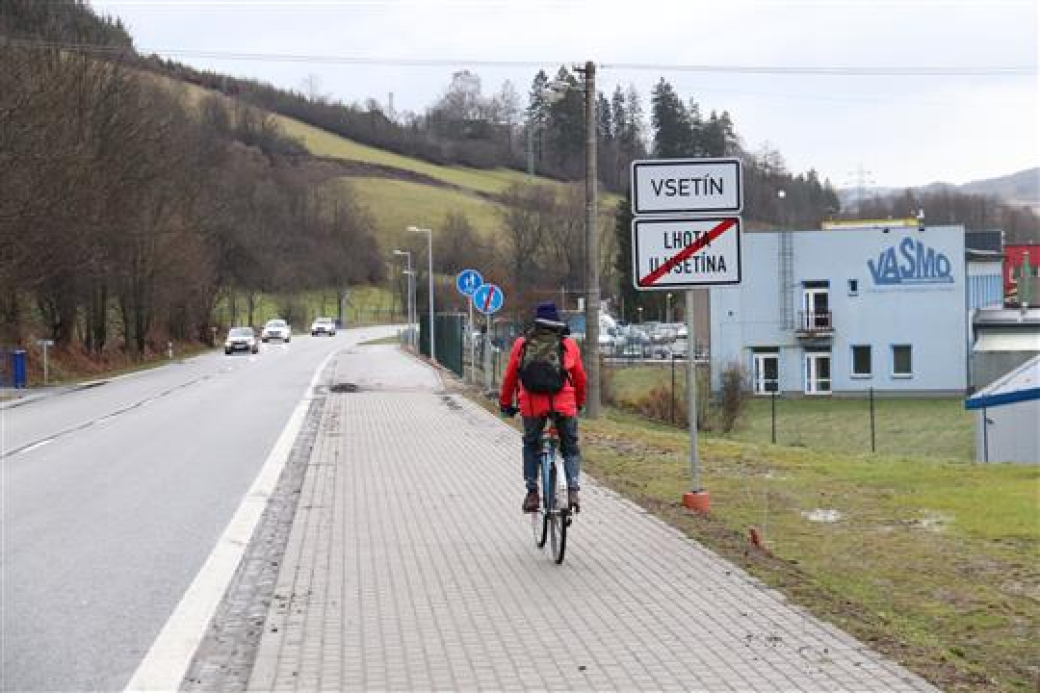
686,252
487,299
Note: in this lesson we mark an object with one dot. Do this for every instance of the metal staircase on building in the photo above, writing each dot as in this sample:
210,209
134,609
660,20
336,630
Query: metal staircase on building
785,259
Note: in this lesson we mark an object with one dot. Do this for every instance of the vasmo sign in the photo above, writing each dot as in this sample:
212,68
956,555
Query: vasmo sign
915,263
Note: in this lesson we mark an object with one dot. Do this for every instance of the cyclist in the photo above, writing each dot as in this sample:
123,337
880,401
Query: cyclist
537,401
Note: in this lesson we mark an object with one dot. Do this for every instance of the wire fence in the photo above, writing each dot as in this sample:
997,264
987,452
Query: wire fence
867,424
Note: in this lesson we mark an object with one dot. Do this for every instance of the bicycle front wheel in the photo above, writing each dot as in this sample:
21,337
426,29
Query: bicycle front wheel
540,528
557,523
558,536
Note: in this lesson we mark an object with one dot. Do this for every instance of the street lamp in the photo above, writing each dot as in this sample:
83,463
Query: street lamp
429,258
411,294
668,307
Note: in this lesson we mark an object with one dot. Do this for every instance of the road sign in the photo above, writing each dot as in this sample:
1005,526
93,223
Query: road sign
675,253
45,342
687,186
468,281
488,299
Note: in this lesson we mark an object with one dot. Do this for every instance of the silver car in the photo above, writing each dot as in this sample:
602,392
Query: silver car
241,339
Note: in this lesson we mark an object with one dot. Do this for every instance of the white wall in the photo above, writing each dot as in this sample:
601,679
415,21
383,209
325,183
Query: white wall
928,312
1013,433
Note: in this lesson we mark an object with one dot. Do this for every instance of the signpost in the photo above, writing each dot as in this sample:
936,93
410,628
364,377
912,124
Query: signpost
670,253
467,282
687,186
686,233
46,344
488,299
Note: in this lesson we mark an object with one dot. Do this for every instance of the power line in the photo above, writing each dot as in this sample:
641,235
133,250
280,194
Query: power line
793,70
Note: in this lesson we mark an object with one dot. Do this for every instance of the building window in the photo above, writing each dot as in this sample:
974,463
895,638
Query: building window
766,375
817,373
861,365
853,287
902,361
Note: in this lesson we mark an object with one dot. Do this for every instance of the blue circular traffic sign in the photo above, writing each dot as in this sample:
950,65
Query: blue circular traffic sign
468,281
488,299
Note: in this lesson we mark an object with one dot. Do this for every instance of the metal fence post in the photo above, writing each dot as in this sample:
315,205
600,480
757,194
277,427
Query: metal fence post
873,447
772,411
672,402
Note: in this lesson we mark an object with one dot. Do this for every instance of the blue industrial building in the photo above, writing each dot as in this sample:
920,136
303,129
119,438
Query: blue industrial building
843,311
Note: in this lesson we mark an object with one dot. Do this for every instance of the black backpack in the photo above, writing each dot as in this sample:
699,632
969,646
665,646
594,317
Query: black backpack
542,368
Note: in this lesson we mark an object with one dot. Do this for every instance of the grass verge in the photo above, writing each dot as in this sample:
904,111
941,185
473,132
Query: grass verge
933,562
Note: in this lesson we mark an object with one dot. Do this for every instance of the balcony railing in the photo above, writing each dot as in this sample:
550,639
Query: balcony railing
815,322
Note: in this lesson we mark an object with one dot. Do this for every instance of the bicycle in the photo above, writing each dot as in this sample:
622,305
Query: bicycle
554,516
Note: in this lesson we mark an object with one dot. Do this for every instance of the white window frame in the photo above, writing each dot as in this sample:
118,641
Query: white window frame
812,381
892,352
758,372
809,296
852,361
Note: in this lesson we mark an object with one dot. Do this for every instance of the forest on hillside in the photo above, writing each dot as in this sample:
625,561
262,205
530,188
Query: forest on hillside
126,215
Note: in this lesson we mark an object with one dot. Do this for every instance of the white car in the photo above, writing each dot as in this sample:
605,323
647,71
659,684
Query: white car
323,326
276,329
241,339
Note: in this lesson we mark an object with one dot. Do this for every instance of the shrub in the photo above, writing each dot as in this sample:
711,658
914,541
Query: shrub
732,397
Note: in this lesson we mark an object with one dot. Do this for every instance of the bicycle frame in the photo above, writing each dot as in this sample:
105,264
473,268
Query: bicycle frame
554,516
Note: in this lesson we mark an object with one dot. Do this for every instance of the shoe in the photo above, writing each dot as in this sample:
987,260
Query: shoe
531,502
573,500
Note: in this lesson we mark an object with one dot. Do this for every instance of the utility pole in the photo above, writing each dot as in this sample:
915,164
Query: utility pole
592,403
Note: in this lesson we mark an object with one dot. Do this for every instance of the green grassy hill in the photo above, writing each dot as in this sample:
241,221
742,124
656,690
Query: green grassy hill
326,144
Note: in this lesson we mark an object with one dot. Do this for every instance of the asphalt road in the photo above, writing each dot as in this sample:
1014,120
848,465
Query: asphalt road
114,496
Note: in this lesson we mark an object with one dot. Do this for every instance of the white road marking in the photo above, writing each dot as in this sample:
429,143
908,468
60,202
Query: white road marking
167,661
36,446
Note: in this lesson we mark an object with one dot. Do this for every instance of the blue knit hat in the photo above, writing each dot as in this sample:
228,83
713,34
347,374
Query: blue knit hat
547,312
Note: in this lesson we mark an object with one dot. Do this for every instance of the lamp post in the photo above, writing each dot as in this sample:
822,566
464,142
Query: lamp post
410,299
429,258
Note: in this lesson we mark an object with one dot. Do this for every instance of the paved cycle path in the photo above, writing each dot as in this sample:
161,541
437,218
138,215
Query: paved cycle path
410,567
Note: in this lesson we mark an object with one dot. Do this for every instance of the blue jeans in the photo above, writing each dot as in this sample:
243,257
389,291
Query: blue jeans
568,429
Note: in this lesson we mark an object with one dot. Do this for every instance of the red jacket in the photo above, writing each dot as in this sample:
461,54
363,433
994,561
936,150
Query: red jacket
567,401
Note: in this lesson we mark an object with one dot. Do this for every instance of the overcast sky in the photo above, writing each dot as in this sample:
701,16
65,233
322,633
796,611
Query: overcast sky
899,130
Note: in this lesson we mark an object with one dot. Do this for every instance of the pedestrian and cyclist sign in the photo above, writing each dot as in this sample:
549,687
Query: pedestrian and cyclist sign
488,299
468,281
685,232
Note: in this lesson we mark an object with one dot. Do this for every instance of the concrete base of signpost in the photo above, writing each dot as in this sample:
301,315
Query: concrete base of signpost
696,501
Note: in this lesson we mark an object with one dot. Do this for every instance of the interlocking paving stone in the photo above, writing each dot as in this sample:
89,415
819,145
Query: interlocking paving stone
410,567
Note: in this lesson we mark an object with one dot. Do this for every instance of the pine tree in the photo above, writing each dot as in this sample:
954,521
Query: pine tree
566,136
537,119
673,133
